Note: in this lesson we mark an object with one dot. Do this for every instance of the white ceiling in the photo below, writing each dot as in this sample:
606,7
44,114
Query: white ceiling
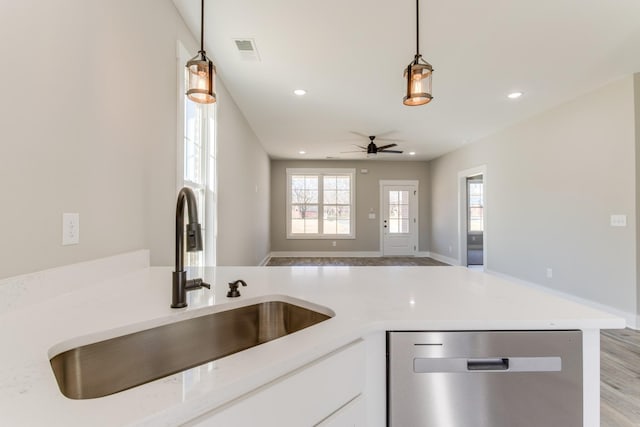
350,56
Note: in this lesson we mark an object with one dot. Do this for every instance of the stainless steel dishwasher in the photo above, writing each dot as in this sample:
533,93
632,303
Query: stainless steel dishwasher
484,379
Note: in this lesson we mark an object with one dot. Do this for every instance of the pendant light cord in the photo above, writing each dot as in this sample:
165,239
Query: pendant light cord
417,30
202,26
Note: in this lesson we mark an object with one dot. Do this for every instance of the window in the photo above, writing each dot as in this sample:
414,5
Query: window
320,203
197,163
476,205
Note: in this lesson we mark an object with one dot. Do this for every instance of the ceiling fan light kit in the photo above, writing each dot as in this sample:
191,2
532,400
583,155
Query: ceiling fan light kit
418,75
201,72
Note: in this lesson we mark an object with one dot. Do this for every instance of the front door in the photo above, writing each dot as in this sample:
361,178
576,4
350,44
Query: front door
399,219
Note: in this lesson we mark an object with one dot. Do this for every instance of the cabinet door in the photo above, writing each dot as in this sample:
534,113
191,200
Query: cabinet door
304,397
353,414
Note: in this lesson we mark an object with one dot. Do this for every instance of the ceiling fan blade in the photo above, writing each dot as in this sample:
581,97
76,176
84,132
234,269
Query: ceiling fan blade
359,134
377,136
384,147
345,152
389,132
390,151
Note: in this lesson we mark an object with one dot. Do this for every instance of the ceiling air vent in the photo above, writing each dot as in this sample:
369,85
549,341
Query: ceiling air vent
247,49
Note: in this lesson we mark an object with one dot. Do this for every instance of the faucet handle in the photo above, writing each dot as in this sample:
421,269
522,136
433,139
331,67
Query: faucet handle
233,288
196,284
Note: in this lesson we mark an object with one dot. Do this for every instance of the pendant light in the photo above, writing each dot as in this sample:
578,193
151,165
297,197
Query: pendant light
418,75
201,72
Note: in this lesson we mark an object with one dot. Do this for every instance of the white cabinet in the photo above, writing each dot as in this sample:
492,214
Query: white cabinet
316,393
353,414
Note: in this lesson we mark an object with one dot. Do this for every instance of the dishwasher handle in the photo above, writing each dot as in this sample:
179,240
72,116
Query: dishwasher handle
495,364
425,365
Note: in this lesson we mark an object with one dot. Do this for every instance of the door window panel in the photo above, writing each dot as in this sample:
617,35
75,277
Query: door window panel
476,206
398,212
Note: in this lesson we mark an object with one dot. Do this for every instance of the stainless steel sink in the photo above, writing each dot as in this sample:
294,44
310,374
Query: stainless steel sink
110,366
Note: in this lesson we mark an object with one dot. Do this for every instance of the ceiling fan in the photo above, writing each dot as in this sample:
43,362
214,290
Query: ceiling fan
373,149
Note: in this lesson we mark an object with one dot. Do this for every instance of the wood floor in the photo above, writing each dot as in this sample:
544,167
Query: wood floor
619,378
353,261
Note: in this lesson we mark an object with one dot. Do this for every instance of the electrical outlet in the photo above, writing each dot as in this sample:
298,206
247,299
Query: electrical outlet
549,273
450,249
333,243
618,220
70,228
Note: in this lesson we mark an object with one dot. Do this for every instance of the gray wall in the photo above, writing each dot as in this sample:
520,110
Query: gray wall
367,197
88,124
552,183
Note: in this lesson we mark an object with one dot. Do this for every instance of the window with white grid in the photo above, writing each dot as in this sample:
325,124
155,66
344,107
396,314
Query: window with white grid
320,203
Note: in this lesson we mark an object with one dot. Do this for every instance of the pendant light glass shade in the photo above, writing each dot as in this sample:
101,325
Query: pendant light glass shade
418,78
200,72
418,75
200,79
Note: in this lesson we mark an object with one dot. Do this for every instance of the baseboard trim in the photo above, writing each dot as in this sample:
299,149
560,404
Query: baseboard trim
334,254
445,259
265,260
632,320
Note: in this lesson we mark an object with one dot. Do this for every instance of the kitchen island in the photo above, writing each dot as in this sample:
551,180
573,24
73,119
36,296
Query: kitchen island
46,313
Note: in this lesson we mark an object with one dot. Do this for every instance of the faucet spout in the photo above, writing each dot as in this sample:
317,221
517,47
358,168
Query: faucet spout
194,244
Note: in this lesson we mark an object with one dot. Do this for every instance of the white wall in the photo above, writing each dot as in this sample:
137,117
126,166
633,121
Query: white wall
243,188
88,124
553,182
84,102
243,213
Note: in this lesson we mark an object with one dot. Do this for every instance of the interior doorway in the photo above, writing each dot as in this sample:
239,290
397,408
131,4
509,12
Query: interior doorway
472,217
399,218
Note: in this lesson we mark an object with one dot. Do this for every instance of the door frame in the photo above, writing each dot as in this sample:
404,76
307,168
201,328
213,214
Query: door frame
416,184
462,213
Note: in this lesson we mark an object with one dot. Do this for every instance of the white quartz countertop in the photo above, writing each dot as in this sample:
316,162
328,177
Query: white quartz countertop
364,300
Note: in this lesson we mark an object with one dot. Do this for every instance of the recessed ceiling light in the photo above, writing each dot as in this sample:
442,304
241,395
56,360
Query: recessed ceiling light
300,92
514,95
412,153
302,152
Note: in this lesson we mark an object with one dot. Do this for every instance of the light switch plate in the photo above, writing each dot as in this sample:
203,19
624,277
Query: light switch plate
70,228
618,220
372,215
